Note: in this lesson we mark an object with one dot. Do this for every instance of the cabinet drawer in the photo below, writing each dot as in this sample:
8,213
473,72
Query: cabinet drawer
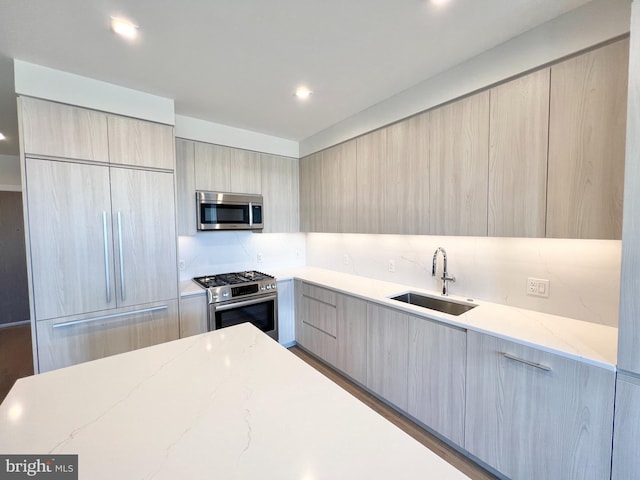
536,415
319,293
71,340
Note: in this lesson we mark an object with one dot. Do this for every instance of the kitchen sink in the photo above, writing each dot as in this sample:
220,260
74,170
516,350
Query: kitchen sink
432,303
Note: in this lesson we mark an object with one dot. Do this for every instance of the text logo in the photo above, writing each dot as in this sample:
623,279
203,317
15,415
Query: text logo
50,467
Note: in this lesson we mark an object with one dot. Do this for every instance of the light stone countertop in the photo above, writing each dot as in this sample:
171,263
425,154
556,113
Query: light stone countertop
227,404
584,341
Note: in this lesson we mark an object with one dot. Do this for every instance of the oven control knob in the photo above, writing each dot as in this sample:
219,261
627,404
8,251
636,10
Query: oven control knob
225,294
273,285
262,288
214,297
268,287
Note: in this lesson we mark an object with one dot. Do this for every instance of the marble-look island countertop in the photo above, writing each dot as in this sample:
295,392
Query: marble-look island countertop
583,341
228,404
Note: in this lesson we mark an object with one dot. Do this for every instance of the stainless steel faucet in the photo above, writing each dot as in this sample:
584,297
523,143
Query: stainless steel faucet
445,275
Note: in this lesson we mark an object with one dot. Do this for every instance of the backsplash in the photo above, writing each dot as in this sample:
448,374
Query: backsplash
232,251
584,275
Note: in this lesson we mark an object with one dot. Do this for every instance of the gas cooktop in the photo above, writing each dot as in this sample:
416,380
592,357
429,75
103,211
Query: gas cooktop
235,278
226,287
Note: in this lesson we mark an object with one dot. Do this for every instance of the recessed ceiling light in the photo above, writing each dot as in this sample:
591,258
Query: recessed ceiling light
2,137
303,92
439,3
124,28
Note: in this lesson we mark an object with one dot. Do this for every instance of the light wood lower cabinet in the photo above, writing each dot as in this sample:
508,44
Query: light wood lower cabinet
352,337
316,321
68,341
387,358
535,415
626,461
193,315
436,377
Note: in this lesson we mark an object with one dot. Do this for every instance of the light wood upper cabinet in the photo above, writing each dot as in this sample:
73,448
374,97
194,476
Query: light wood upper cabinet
406,176
245,171
387,360
436,377
372,191
186,187
458,167
338,188
145,248
280,193
140,144
58,130
587,144
72,262
519,133
311,207
212,167
533,415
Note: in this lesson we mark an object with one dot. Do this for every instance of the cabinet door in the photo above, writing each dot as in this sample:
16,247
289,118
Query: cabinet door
58,130
387,360
458,167
280,193
186,187
407,176
68,341
626,461
245,171
534,415
145,236
286,313
351,336
212,167
587,143
519,136
316,321
338,185
69,215
436,383
311,193
193,315
372,182
139,143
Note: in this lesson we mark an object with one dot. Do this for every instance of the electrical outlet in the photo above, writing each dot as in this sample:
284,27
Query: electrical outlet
345,259
259,257
181,265
392,266
538,287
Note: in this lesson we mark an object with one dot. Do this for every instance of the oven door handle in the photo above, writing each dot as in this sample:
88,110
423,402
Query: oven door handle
246,303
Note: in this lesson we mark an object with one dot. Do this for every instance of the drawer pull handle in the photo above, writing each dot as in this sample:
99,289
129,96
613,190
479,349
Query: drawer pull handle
526,362
106,317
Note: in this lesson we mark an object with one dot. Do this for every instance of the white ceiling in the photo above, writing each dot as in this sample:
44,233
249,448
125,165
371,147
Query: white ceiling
237,62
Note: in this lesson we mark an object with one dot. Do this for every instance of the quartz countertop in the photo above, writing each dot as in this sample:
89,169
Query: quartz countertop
227,404
584,341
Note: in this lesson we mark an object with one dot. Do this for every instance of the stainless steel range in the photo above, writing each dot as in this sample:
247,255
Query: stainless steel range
241,297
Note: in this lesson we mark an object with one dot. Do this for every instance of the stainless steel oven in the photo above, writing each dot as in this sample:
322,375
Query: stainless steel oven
235,298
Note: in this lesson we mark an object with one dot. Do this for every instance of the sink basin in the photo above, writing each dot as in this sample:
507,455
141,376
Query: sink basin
432,303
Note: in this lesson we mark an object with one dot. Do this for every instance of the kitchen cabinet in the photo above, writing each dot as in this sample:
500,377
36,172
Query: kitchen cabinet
57,130
226,169
406,176
374,208
458,167
93,243
186,187
316,320
387,358
193,315
626,462
518,140
286,312
140,144
351,333
587,128
338,188
67,341
279,185
436,377
311,207
533,415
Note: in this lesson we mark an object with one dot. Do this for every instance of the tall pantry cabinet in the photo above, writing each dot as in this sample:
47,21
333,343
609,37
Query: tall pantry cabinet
100,211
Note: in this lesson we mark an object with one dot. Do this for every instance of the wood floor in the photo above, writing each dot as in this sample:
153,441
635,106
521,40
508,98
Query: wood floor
16,358
437,446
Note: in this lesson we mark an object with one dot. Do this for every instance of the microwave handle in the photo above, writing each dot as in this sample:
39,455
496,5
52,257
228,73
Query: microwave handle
250,214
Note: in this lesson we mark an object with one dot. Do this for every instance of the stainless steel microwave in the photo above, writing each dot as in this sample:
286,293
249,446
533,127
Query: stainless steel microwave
228,211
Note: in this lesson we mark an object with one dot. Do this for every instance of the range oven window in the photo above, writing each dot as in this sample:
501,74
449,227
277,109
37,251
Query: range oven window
262,315
224,214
